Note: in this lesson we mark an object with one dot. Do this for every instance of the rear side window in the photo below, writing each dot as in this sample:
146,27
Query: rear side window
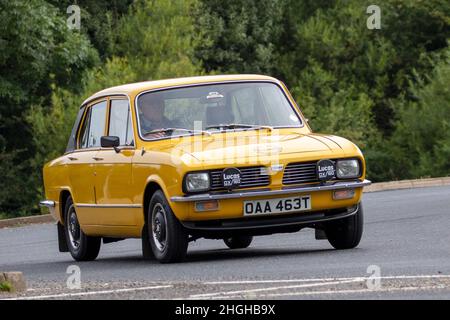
84,131
120,122
93,127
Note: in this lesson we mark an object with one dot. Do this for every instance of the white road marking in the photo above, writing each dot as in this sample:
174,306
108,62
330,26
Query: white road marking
227,293
89,293
262,292
326,279
38,289
345,291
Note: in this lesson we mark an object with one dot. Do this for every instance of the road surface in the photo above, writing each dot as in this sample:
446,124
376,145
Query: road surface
404,254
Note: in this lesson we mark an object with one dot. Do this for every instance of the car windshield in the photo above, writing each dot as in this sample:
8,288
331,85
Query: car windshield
208,109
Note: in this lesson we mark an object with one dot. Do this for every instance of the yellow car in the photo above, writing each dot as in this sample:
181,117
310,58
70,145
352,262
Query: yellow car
217,157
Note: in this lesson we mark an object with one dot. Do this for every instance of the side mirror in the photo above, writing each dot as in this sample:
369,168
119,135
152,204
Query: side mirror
110,142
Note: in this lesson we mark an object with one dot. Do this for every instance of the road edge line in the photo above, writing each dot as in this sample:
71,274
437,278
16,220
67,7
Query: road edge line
21,221
407,184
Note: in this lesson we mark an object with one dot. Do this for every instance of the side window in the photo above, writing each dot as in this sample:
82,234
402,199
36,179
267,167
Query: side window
120,122
97,124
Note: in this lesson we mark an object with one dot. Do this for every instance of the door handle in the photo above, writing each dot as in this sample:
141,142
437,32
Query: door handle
72,158
97,158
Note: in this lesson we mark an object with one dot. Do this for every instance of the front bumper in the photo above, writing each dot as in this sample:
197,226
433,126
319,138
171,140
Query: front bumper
267,192
268,224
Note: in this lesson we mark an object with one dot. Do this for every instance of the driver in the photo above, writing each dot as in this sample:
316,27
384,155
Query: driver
152,116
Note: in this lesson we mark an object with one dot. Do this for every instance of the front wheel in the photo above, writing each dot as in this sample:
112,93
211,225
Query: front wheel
81,246
346,233
238,242
168,239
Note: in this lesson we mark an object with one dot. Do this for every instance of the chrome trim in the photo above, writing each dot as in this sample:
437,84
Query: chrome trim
94,205
276,82
261,193
99,96
47,203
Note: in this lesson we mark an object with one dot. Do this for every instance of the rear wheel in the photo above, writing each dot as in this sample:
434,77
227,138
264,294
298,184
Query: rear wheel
238,242
346,233
81,246
168,238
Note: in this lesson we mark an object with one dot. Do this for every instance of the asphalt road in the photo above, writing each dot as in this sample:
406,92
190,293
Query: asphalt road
406,239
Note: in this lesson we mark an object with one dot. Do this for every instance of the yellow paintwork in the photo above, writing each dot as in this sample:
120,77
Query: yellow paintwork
121,178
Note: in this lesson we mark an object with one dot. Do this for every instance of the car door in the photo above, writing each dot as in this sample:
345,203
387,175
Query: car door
81,161
113,170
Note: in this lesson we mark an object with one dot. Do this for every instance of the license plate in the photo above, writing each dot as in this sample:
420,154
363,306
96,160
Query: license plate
280,205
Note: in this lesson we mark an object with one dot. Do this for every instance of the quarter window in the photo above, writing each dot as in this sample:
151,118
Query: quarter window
120,122
84,131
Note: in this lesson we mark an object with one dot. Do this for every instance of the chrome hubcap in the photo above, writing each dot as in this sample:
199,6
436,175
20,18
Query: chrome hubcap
74,228
159,226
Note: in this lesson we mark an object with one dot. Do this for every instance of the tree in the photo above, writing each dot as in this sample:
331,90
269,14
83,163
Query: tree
421,140
153,41
238,36
157,37
37,51
99,19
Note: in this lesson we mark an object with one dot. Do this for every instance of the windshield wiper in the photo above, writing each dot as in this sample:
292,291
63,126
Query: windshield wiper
169,130
232,126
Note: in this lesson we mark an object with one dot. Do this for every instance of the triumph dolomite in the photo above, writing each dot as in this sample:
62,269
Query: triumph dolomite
217,157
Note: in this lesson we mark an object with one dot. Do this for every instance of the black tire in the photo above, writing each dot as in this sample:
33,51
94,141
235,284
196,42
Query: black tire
168,238
81,246
238,242
346,233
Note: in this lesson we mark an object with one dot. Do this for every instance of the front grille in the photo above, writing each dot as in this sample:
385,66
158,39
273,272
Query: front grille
250,177
301,172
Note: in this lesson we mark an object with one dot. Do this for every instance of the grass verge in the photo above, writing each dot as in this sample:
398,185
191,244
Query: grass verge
5,286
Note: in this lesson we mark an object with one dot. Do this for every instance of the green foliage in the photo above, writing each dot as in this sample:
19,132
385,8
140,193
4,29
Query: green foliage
387,90
98,20
6,286
158,39
238,36
37,52
337,70
140,44
348,80
422,135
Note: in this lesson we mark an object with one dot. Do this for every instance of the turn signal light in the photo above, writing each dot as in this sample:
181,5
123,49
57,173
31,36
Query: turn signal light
210,205
343,194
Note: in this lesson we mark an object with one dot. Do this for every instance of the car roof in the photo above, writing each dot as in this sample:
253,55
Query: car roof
133,89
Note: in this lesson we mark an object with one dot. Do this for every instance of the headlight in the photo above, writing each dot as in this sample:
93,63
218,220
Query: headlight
196,182
347,169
